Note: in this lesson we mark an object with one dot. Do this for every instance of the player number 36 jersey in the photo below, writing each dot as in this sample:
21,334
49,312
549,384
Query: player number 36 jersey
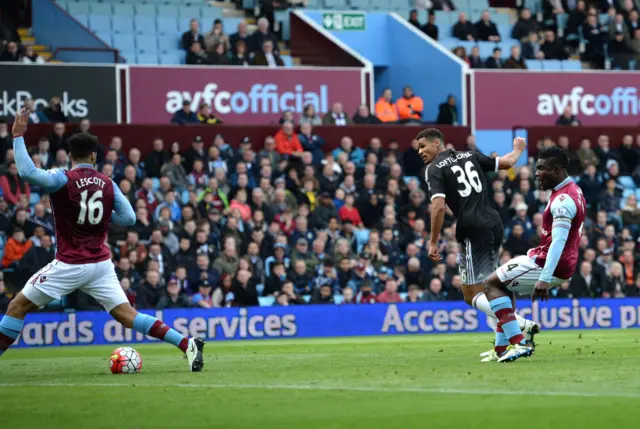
566,209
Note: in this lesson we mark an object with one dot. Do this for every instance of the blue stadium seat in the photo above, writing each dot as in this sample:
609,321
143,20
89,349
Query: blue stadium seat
562,19
172,58
554,65
211,12
168,25
443,17
122,24
314,4
124,42
155,184
505,31
190,12
603,18
106,37
360,4
100,23
129,57
144,24
486,49
147,44
501,19
82,19
287,60
627,182
168,43
444,30
167,10
571,65
147,59
379,4
123,10
78,8
479,4
100,8
449,43
534,64
146,10
474,16
231,24
336,4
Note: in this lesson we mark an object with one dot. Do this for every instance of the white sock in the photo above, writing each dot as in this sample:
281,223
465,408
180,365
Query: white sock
482,303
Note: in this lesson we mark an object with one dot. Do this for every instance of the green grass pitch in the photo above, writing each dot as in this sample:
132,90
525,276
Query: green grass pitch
575,380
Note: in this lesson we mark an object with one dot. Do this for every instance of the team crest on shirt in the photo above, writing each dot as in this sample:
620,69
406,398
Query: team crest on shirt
562,197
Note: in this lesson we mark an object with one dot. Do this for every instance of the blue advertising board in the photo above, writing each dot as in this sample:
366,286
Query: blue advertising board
316,321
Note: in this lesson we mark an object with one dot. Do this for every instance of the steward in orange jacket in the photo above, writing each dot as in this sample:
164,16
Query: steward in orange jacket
386,109
410,106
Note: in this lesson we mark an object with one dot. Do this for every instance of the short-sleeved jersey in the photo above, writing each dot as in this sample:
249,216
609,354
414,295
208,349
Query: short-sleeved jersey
81,212
459,178
566,206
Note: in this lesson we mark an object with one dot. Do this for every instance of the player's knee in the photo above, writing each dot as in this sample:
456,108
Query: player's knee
469,292
18,307
124,313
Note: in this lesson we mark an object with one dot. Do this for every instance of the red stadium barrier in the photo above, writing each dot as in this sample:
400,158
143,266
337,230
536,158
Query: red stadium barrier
141,136
575,135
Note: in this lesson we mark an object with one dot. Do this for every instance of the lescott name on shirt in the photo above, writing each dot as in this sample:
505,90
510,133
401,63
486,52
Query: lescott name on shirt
451,159
86,181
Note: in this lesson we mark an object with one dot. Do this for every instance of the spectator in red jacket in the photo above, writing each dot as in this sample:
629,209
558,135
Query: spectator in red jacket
13,187
287,142
350,213
390,293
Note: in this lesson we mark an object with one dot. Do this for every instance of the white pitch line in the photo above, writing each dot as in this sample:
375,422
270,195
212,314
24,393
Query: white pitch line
337,388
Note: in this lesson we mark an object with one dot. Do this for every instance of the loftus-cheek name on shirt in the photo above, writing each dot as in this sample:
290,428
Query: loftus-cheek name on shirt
90,181
451,159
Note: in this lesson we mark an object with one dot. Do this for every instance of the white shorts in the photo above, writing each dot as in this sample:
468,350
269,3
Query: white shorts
521,274
58,279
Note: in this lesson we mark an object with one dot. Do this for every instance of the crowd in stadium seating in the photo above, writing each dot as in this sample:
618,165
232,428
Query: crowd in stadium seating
287,224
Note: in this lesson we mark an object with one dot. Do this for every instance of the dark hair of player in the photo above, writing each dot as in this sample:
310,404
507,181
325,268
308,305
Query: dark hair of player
82,146
555,155
431,134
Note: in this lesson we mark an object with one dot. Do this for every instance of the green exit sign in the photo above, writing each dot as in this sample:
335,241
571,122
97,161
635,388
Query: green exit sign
343,21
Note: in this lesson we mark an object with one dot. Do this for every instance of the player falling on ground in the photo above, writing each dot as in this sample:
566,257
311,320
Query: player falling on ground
457,179
83,201
554,261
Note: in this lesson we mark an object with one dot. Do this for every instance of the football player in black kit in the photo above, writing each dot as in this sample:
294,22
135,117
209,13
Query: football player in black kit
457,179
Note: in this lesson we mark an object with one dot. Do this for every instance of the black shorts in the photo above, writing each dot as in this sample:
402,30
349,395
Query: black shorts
480,254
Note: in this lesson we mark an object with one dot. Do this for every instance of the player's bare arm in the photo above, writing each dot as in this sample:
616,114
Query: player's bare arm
509,160
438,209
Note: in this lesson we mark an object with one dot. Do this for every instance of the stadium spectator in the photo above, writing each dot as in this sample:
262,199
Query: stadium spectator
267,57
4,299
173,298
568,118
31,57
336,116
595,36
311,142
197,56
203,298
216,36
242,35
390,294
605,153
525,25
386,109
495,60
630,155
261,35
620,52
486,29
54,113
11,53
354,153
463,29
13,186
515,60
410,107
552,48
287,142
364,117
531,48
156,159
16,247
185,115
44,152
240,55
475,62
310,116
206,116
461,53
448,112
413,18
430,28
434,292
218,55
192,36
244,291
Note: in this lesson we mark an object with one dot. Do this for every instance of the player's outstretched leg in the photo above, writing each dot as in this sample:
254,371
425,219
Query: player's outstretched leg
502,306
13,321
149,325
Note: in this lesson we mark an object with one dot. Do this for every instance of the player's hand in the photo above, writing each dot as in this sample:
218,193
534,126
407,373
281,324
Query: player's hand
20,125
541,290
520,144
434,253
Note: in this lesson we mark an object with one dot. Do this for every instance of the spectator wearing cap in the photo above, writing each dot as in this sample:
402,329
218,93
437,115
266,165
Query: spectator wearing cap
494,61
185,115
390,294
386,109
410,107
173,298
311,142
301,253
383,274
196,151
366,295
203,298
359,277
336,116
287,142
